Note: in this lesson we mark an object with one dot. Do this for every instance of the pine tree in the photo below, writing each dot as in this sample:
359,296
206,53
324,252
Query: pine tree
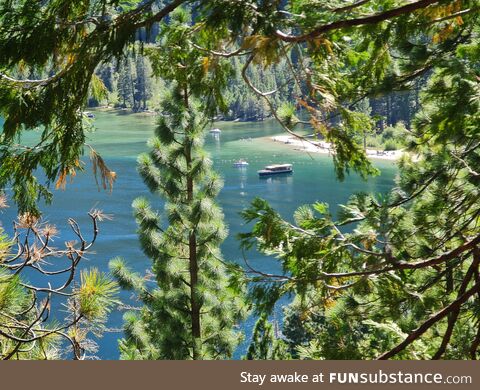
142,84
192,311
126,84
394,275
364,107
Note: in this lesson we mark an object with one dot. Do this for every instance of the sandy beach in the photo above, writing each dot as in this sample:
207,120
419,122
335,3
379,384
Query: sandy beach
325,148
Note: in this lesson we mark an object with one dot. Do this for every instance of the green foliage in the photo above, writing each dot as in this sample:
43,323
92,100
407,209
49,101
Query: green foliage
391,145
391,138
324,57
213,72
54,54
98,90
244,104
50,61
96,294
264,344
193,309
126,279
32,326
164,329
287,114
12,296
392,265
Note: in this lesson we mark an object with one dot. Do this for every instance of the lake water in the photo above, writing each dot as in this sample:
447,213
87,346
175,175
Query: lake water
119,138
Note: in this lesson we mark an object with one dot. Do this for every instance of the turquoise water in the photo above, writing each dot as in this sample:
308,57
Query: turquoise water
120,138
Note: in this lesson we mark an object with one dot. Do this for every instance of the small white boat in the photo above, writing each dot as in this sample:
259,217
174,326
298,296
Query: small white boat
215,131
275,169
240,163
88,114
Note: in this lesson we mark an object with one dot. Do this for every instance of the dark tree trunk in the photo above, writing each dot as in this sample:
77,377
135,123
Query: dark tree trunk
193,261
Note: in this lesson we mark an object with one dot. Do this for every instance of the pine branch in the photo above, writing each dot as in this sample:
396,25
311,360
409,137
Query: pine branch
452,319
373,19
159,15
417,333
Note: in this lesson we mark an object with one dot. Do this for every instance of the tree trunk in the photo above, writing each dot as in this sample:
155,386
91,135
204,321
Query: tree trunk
193,261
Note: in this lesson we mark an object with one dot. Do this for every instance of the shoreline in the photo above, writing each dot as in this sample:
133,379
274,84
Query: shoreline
325,148
151,112
120,111
313,146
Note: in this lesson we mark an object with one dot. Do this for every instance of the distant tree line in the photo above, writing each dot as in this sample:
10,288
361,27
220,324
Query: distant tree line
130,85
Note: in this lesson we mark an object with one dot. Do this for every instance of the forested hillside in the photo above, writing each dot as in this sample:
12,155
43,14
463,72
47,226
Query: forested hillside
131,85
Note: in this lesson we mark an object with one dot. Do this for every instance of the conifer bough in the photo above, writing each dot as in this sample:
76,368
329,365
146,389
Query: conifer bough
191,309
31,328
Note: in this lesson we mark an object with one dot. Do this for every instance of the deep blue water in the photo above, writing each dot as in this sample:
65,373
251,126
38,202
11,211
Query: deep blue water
120,138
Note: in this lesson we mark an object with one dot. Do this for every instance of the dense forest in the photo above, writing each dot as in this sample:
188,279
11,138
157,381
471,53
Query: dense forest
130,84
391,276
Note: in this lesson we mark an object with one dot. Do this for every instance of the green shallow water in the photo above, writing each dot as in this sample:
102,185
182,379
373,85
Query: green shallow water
120,138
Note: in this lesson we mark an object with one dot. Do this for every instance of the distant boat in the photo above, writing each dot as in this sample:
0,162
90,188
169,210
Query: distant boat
90,115
276,169
240,163
215,131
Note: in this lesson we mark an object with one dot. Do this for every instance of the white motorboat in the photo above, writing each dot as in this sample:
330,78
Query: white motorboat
240,164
